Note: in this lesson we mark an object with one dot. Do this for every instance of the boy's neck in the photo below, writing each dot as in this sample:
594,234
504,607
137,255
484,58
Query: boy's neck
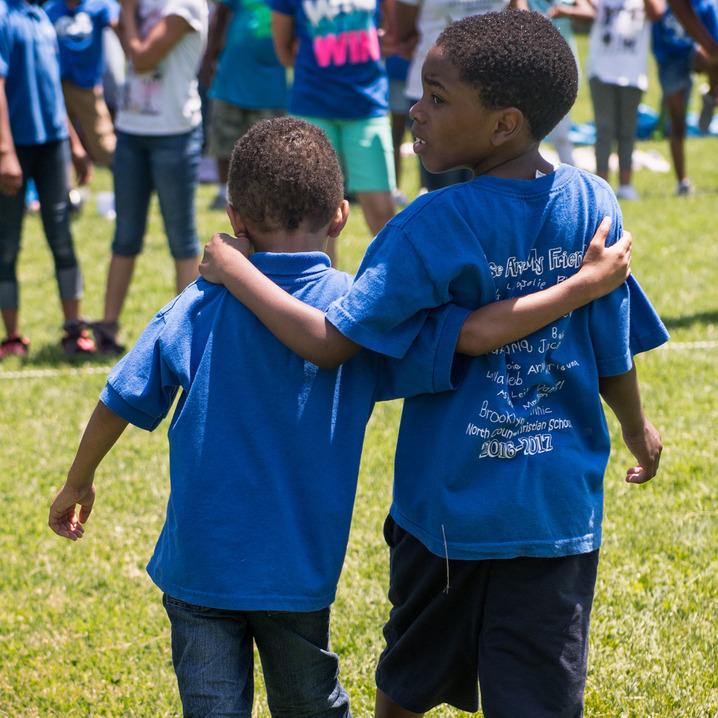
298,240
510,163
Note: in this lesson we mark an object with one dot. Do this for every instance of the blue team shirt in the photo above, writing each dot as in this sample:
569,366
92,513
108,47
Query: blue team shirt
669,37
338,72
29,62
512,463
249,74
264,447
79,33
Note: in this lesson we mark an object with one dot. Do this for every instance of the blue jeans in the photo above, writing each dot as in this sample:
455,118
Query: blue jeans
168,164
47,165
212,654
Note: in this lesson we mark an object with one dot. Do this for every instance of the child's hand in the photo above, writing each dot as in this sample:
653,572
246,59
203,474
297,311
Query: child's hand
646,446
63,519
605,268
218,252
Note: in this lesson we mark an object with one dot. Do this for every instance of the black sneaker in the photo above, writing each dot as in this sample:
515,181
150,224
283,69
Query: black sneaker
106,338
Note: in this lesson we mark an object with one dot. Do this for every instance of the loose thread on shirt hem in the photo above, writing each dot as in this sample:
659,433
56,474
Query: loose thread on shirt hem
446,554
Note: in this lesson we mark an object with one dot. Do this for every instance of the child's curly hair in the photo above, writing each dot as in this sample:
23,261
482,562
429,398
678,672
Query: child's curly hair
282,172
516,59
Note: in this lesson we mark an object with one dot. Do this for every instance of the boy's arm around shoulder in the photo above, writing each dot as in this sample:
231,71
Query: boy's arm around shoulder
102,431
496,324
642,439
304,329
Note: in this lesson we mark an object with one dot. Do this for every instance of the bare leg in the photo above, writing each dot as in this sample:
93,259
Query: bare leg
378,209
119,277
11,320
386,708
71,309
186,271
223,169
676,106
398,128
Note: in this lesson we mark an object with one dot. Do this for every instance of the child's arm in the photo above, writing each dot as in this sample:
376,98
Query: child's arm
285,38
306,331
621,393
580,10
499,323
103,430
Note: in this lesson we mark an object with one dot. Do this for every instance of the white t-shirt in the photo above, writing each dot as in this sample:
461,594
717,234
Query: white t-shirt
165,100
434,16
619,42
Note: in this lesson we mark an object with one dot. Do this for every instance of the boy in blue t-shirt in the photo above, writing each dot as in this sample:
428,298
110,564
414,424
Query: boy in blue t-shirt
264,447
495,523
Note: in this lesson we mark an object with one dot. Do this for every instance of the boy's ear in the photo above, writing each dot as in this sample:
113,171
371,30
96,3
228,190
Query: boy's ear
510,121
340,219
238,226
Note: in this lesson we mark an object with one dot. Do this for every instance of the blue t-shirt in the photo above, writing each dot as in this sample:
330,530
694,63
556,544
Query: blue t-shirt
248,73
669,37
264,447
29,62
338,72
79,33
512,463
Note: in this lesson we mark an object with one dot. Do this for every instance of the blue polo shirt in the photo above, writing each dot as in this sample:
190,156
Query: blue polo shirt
79,33
264,447
29,62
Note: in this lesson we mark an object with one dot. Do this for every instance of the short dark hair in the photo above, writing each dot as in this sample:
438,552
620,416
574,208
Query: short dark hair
282,172
516,59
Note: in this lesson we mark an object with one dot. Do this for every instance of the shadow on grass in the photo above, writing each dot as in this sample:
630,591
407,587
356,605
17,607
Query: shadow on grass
690,320
52,356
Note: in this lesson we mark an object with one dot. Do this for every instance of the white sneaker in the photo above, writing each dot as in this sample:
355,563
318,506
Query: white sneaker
627,192
684,188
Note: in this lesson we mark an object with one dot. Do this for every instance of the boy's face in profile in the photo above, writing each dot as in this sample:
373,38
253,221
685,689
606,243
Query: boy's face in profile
451,126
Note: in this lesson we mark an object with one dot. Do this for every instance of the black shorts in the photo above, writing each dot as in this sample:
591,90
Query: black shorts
518,627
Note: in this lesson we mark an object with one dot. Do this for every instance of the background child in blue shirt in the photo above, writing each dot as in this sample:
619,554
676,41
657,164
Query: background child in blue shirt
264,447
80,26
34,134
677,57
495,523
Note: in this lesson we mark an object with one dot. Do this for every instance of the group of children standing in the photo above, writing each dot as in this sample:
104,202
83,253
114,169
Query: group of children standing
495,524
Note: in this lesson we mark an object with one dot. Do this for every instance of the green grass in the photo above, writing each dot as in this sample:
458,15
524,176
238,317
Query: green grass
82,629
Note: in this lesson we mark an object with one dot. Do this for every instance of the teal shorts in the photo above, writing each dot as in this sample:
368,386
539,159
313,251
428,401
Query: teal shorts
365,151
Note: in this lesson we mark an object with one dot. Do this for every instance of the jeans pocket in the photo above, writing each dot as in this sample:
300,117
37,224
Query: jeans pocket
168,600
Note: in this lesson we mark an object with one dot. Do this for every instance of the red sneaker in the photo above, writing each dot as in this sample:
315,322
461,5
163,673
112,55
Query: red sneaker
14,347
77,339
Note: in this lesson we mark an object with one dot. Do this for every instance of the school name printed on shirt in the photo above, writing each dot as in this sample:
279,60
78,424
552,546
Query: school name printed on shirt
343,31
520,419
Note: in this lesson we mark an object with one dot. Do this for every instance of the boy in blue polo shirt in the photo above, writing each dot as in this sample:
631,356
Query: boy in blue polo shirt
495,524
264,447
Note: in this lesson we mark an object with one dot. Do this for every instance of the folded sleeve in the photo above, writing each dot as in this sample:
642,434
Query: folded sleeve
390,299
430,365
623,324
143,385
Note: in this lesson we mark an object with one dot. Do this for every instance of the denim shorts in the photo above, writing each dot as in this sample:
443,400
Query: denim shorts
518,627
675,74
365,149
212,654
169,165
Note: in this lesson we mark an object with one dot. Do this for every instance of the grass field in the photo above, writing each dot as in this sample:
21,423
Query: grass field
82,629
